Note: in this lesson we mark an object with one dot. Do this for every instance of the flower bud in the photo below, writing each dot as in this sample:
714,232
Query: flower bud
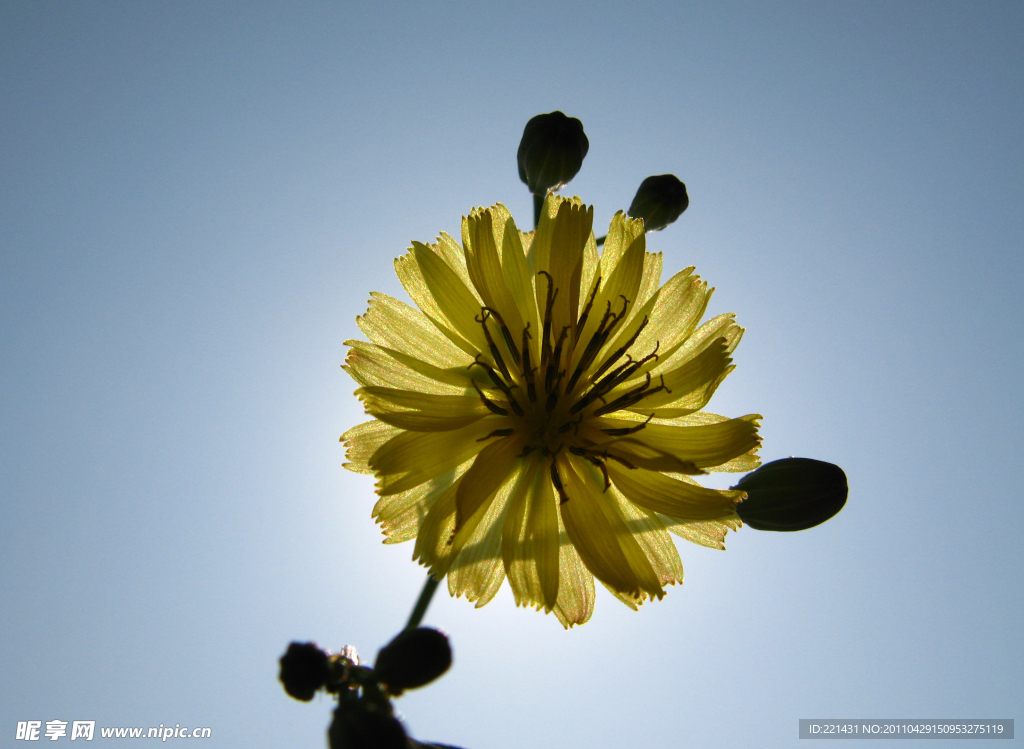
414,658
357,727
792,494
659,201
304,669
551,151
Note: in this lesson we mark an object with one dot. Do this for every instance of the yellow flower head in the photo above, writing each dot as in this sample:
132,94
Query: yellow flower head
539,416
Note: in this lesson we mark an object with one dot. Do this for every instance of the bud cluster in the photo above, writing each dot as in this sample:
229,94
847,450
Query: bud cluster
551,153
364,716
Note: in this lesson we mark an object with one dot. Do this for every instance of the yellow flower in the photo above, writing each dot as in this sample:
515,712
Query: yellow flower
538,418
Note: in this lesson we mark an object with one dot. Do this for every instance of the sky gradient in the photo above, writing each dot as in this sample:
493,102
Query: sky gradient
196,200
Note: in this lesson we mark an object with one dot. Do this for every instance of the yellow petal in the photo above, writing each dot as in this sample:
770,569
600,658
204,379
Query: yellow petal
484,265
700,446
437,530
748,461
362,441
489,471
680,500
450,251
600,534
622,234
650,281
476,570
422,412
393,324
680,305
561,235
377,365
688,388
721,327
530,539
650,531
458,305
591,262
575,603
623,270
369,364
400,515
515,267
709,533
410,458
617,293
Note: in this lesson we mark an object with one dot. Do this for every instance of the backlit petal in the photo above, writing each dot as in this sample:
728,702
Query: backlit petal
410,458
394,324
530,539
680,500
600,534
422,412
363,440
477,571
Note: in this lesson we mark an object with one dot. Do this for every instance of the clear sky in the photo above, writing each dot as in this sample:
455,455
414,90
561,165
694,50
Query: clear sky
197,198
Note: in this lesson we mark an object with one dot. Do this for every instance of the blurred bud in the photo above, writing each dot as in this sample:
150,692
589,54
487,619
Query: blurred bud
792,494
356,727
304,669
414,658
551,151
659,201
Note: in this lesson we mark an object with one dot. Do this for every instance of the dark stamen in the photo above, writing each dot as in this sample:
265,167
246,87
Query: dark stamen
557,481
604,471
619,352
628,430
556,357
495,354
586,310
597,341
531,389
569,425
491,405
632,397
497,433
499,383
606,385
617,459
505,334
545,348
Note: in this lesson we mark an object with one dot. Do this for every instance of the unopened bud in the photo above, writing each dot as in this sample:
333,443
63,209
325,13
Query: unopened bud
355,726
304,669
551,151
659,201
414,658
792,494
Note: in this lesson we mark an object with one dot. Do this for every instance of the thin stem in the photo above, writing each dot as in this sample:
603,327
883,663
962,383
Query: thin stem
600,240
538,204
422,603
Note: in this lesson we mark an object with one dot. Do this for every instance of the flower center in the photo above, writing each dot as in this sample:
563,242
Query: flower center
549,404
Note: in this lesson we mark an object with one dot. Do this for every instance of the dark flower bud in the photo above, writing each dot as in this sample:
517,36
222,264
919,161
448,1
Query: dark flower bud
659,201
551,151
414,658
792,494
304,669
357,727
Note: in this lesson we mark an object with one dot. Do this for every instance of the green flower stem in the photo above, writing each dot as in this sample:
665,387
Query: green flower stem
422,603
600,240
538,205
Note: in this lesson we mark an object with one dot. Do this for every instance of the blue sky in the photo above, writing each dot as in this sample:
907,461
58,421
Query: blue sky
196,200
